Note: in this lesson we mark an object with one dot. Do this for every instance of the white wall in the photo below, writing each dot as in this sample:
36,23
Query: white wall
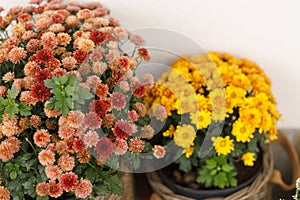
265,31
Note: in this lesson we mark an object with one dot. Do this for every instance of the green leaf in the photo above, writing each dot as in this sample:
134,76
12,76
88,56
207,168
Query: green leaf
211,164
115,185
42,198
205,178
24,110
13,175
227,168
185,164
64,109
50,105
63,79
232,181
49,83
69,102
72,80
12,93
100,189
220,180
213,172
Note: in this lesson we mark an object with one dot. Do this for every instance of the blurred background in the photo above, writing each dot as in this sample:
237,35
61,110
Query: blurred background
267,32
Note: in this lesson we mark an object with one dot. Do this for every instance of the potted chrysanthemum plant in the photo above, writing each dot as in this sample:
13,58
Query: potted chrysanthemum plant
70,102
220,112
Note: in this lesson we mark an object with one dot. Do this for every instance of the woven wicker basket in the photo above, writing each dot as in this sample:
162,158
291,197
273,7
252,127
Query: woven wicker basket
259,189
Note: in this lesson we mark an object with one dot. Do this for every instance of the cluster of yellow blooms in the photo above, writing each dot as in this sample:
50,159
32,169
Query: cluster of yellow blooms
211,87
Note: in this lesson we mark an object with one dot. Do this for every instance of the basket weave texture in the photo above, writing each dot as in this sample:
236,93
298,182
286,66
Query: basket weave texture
259,189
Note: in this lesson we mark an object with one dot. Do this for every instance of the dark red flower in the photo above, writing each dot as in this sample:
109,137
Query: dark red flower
28,27
42,75
101,90
40,91
39,9
97,37
138,89
104,148
122,129
78,145
44,56
100,106
53,64
144,54
68,181
57,18
55,189
80,56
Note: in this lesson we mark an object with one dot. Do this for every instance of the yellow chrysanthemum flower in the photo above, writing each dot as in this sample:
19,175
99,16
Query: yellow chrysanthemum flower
201,118
169,132
188,152
234,97
223,145
184,136
273,133
243,131
242,81
248,158
251,116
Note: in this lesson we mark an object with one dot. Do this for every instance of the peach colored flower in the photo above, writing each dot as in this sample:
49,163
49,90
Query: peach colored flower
16,55
159,151
6,152
85,14
121,147
33,45
66,132
85,44
147,132
84,189
4,193
46,157
61,147
69,63
99,67
136,145
3,91
49,40
35,121
42,189
63,39
72,21
53,172
56,28
41,137
75,119
66,162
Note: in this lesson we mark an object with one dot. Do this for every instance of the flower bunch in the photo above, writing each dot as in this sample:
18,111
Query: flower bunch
218,109
70,101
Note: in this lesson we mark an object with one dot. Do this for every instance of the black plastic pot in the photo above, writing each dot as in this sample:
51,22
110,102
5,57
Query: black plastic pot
204,193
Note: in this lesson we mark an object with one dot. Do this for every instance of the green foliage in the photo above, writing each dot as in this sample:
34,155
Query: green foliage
11,107
217,172
185,164
67,93
104,180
